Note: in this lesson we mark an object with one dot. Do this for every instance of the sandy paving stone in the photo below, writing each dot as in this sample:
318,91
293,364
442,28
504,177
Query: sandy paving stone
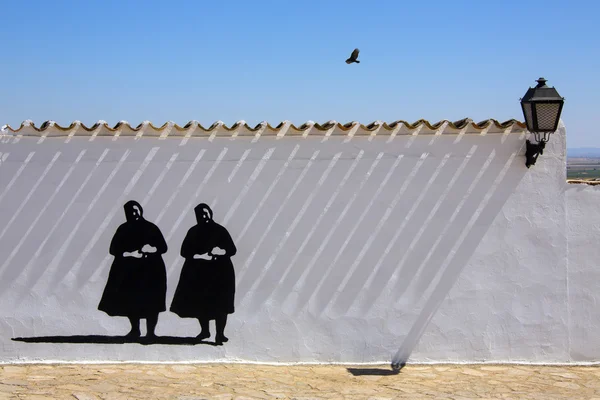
239,381
84,396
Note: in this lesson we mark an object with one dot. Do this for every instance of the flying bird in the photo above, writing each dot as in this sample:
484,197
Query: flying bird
353,57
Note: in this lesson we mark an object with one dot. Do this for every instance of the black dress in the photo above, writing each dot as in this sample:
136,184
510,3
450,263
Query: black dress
206,289
136,287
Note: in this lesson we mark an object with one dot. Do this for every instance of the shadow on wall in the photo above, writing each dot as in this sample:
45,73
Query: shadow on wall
137,281
391,231
372,371
499,189
410,250
105,339
437,201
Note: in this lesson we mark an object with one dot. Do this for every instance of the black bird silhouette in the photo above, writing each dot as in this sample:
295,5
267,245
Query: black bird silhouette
353,57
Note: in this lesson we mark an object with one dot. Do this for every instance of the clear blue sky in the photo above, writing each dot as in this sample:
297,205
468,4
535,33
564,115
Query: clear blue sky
277,60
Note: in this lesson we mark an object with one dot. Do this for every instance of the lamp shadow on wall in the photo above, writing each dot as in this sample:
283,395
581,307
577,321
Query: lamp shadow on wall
372,371
438,283
419,243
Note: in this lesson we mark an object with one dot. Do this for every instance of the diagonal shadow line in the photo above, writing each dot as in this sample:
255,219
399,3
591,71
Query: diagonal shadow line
354,269
253,178
40,214
236,168
33,189
427,265
306,271
400,286
160,178
194,197
479,227
101,268
268,286
17,175
329,273
268,193
172,270
178,188
423,284
290,229
330,296
349,297
180,185
387,279
7,276
246,267
105,339
60,273
33,279
78,271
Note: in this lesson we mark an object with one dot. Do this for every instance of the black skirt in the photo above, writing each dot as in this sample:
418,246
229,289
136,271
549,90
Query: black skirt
206,289
135,287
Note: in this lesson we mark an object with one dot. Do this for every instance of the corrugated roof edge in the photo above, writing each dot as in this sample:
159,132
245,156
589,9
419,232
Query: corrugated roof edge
465,123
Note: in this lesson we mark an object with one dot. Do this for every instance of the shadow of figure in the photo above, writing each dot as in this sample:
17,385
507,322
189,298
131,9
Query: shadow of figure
137,283
103,339
206,288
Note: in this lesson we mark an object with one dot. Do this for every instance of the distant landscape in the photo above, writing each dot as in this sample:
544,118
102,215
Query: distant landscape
583,163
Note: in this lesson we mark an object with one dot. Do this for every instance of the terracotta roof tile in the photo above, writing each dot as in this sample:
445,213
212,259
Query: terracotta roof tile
400,126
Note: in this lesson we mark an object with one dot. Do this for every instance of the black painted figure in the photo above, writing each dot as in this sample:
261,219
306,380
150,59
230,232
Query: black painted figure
137,282
206,287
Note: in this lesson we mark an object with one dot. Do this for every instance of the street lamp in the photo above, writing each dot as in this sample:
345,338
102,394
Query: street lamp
542,106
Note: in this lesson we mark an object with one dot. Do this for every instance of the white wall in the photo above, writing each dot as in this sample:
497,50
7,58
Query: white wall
431,247
583,223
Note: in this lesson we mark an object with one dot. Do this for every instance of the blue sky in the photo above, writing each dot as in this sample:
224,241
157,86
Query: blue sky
284,60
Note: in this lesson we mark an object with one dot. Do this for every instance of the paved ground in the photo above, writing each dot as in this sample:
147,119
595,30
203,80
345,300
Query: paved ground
239,381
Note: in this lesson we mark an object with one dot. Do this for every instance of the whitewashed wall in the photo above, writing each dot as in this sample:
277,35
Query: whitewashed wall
583,223
350,249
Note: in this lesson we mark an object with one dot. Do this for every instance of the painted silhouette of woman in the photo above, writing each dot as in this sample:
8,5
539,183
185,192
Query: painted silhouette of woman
137,282
206,287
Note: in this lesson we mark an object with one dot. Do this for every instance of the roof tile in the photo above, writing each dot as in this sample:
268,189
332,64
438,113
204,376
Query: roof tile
423,125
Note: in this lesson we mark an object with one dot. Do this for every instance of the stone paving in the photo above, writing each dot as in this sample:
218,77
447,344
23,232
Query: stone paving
243,381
